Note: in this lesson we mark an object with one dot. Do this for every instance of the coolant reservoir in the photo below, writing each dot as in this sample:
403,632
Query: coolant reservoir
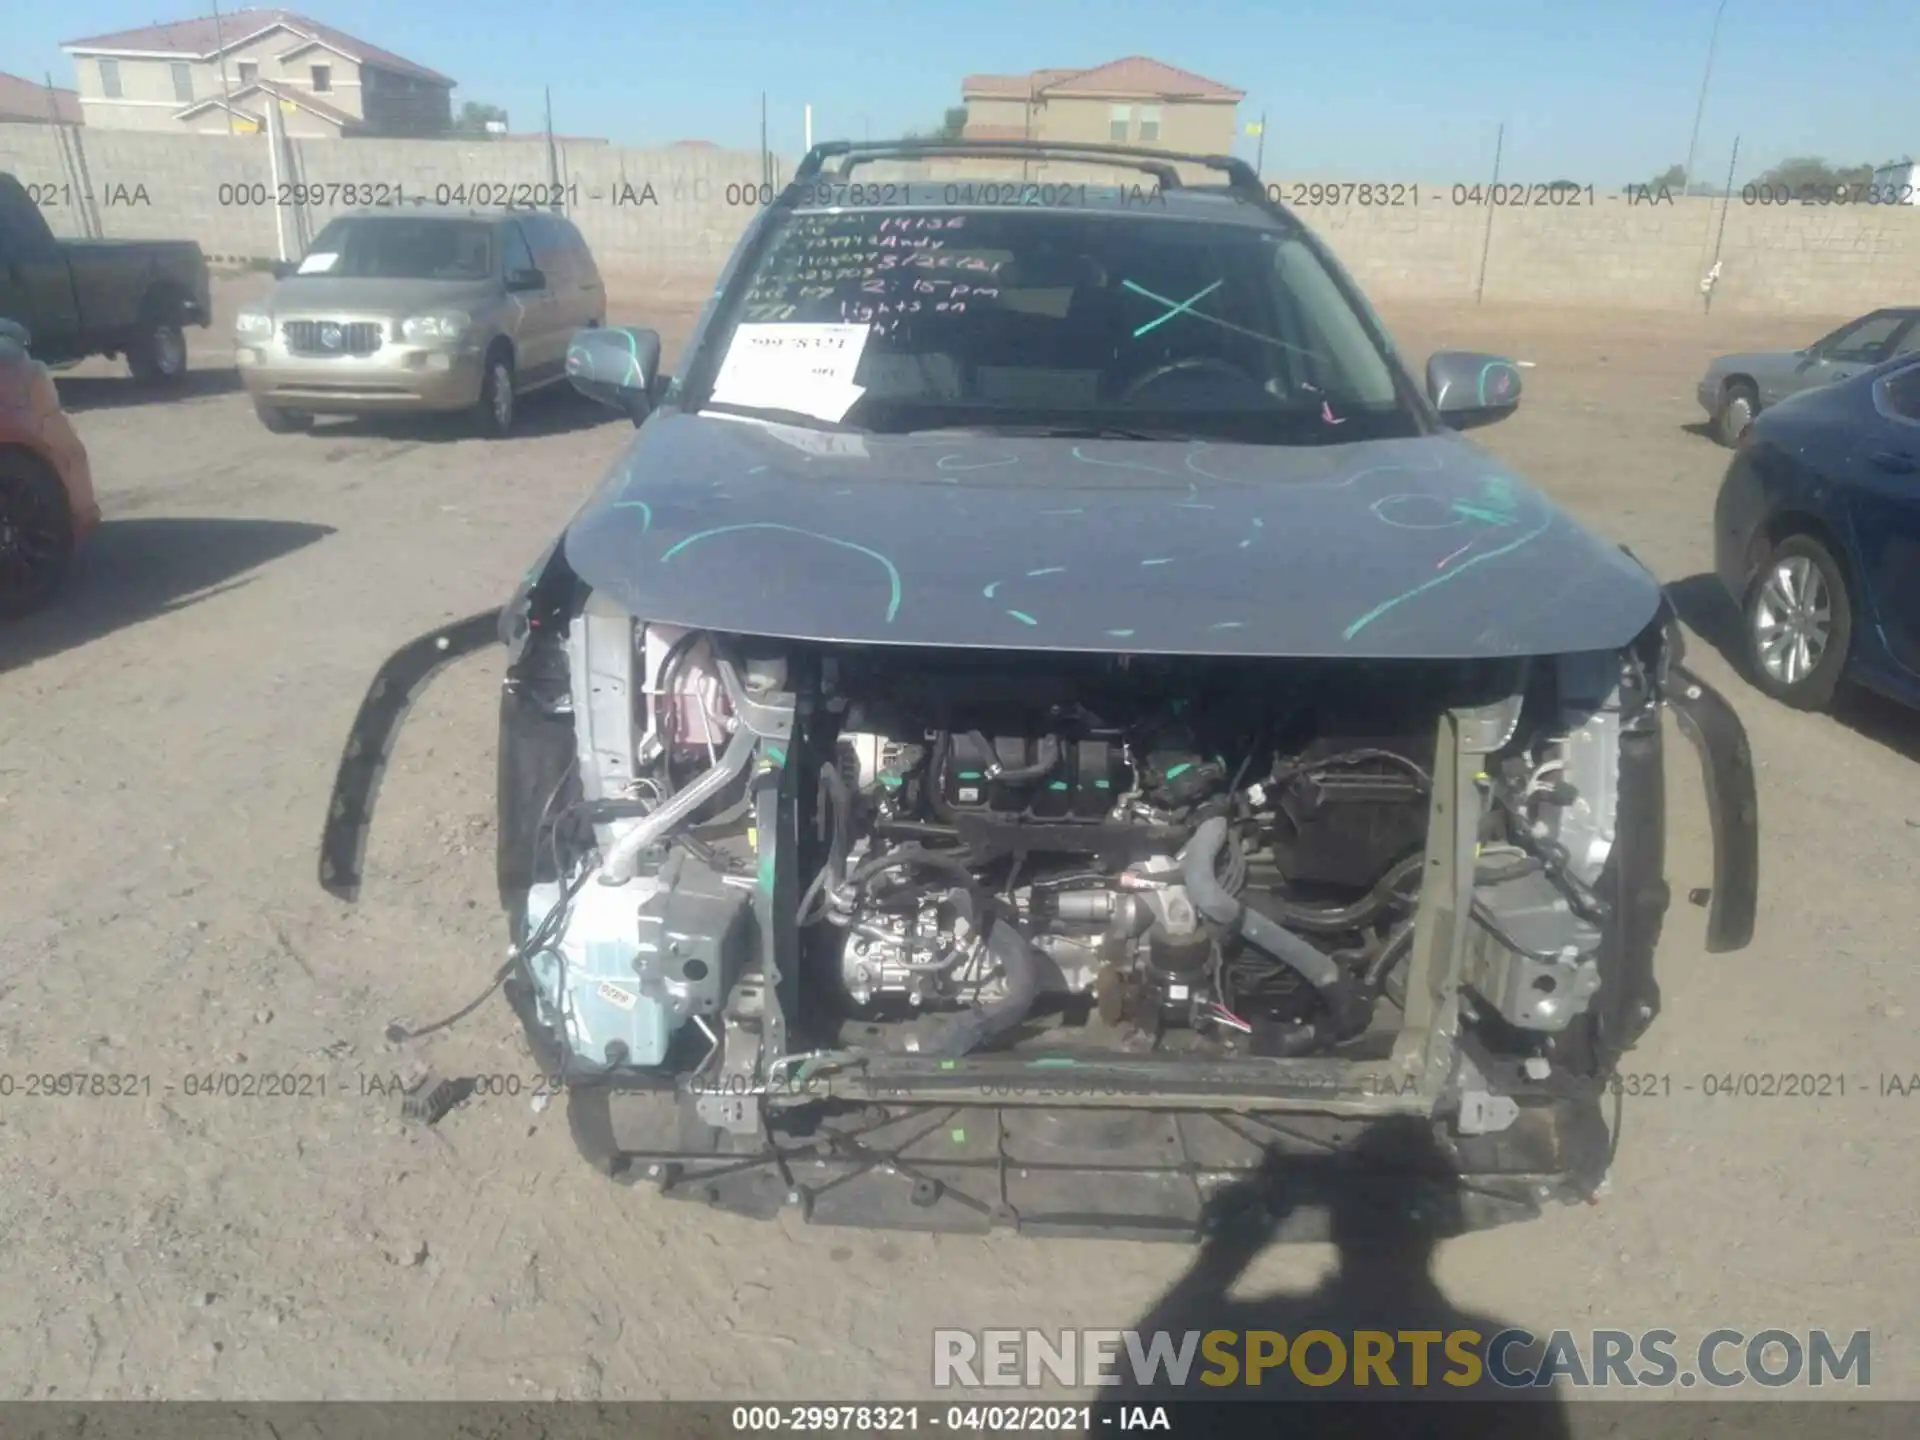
586,980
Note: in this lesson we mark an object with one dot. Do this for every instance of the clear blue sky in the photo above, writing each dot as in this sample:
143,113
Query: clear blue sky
1596,91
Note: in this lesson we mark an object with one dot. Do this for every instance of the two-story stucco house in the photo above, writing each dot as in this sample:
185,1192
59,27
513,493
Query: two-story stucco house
1135,101
215,75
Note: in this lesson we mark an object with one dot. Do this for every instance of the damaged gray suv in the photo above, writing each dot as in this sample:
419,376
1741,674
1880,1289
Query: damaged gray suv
1047,718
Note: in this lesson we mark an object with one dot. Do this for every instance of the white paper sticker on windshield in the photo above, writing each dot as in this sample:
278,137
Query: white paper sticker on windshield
805,368
318,263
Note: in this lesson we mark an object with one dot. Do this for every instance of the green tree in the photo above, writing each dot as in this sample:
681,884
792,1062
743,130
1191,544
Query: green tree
473,118
1674,177
950,127
1811,172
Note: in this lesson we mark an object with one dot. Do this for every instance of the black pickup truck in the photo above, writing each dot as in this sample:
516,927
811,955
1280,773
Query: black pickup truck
100,297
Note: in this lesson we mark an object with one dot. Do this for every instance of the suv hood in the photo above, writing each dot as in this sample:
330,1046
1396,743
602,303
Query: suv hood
402,297
1391,549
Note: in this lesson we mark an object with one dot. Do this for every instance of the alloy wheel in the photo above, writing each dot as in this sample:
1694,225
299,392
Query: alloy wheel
1792,620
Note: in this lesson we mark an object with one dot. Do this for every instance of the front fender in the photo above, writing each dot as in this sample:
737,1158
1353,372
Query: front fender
356,783
1733,804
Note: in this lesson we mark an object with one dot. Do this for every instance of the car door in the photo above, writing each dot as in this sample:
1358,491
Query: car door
1849,350
36,286
1882,493
553,252
539,338
590,291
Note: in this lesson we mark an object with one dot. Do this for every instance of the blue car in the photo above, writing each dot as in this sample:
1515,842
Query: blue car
1817,538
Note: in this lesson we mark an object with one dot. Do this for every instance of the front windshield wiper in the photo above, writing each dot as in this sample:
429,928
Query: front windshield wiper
776,416
1062,432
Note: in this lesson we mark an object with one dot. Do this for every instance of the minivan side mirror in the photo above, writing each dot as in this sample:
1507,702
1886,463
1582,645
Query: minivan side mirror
527,279
1471,389
616,365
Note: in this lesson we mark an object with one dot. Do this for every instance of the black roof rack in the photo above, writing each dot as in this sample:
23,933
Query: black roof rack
1241,177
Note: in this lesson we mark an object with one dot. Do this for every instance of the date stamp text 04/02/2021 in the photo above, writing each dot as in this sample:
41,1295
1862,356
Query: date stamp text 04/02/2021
1297,194
71,1085
1817,1086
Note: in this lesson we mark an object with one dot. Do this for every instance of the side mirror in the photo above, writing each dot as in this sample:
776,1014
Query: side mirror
528,279
283,268
17,332
615,365
1470,389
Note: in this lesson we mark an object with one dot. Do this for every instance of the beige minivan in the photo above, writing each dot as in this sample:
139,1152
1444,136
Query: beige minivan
427,309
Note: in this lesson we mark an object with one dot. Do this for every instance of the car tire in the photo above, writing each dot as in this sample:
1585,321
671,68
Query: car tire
498,406
1798,624
281,421
157,352
1738,405
36,533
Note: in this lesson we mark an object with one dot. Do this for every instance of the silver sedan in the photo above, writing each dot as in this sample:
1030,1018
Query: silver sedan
1738,387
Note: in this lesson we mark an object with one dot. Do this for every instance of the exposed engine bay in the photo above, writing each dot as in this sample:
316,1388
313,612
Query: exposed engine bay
1187,861
1102,855
1079,943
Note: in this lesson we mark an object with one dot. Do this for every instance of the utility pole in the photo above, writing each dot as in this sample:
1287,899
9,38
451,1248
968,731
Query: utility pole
1486,244
1706,74
1733,163
226,93
1260,149
553,158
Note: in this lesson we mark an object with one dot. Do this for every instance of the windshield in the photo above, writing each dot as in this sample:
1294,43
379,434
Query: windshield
1071,321
401,247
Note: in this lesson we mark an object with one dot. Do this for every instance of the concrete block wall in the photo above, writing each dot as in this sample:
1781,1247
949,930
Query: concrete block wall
672,215
675,213
1797,260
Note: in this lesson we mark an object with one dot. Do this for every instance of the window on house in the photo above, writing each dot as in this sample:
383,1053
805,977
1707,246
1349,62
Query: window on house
183,82
1149,124
249,72
322,79
110,79
1119,122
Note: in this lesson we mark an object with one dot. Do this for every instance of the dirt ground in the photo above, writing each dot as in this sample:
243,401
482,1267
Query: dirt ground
168,735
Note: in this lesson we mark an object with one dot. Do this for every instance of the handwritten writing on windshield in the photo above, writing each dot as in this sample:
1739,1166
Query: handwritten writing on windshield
872,271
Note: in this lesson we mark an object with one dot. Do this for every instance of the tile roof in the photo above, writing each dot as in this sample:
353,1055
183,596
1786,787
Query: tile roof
27,100
1135,75
1011,86
203,37
278,92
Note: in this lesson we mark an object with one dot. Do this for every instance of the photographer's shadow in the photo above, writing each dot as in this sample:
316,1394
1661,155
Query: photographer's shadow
1386,1207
